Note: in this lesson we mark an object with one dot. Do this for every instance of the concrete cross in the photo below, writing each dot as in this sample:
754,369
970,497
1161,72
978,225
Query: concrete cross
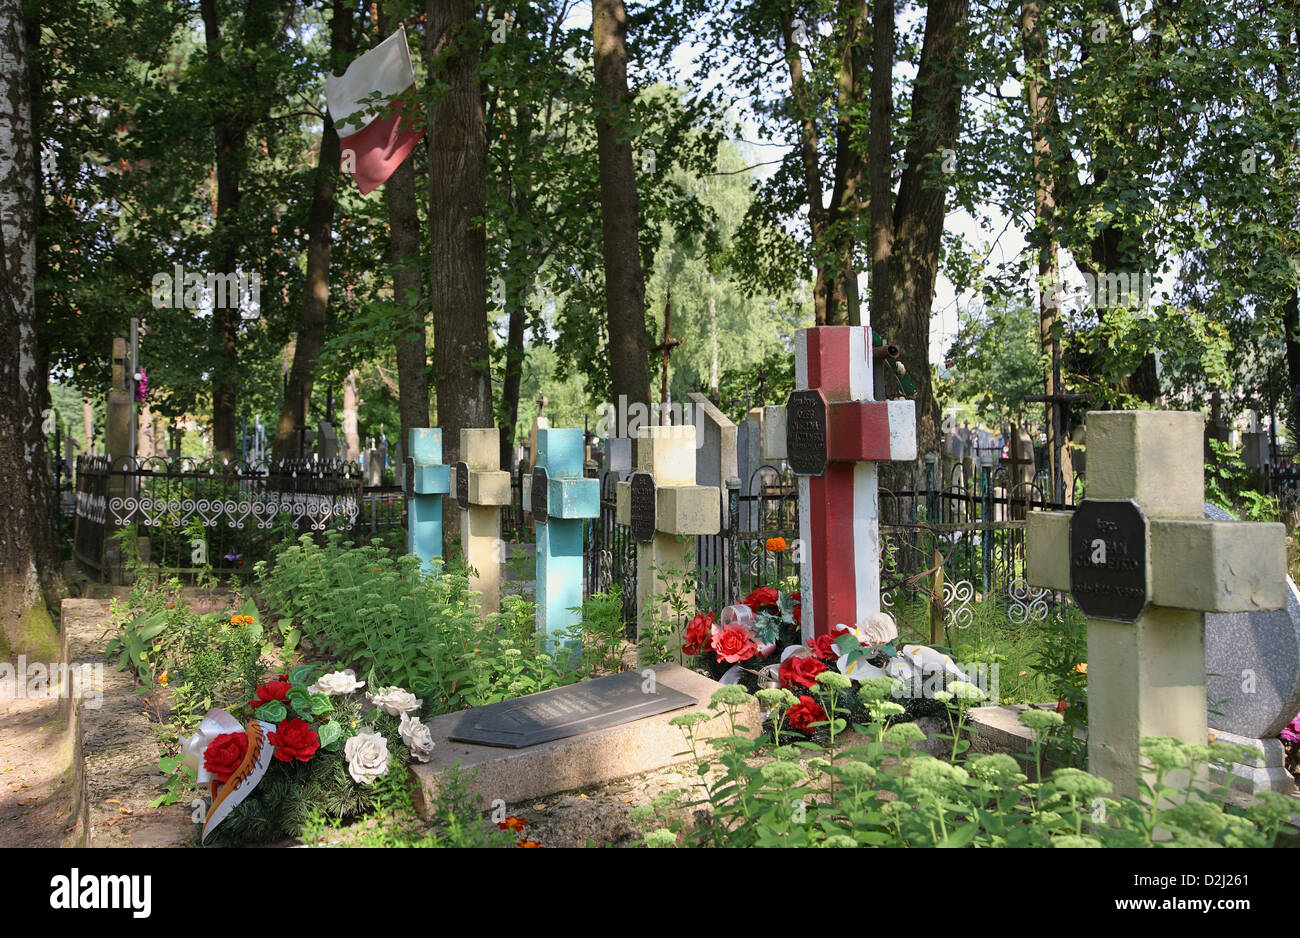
664,506
1145,566
559,498
482,487
835,435
427,481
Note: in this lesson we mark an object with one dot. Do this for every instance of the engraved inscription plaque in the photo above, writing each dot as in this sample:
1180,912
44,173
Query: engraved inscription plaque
805,432
462,485
568,711
641,505
540,484
1108,559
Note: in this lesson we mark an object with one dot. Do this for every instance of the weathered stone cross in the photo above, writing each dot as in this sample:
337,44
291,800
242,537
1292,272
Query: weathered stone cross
835,434
1144,567
427,481
559,498
663,506
482,487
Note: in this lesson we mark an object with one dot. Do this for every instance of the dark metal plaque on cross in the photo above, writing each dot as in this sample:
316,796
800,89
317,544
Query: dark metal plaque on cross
541,481
1108,559
462,485
805,432
568,711
408,482
642,506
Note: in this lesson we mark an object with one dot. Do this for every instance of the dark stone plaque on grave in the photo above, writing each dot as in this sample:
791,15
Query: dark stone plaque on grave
805,432
641,504
1108,559
462,485
540,485
567,711
408,482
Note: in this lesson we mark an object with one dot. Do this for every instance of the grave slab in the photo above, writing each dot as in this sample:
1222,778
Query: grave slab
591,758
1252,664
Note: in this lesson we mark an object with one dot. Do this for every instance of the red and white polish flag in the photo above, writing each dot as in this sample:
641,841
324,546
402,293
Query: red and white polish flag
373,145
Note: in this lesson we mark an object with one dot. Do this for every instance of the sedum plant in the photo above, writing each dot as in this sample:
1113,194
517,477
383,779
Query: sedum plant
880,791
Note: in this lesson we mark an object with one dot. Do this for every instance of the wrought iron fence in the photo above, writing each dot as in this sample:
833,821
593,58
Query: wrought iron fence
190,516
610,553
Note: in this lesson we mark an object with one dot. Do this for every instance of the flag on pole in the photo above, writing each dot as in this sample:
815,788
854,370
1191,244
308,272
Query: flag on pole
373,145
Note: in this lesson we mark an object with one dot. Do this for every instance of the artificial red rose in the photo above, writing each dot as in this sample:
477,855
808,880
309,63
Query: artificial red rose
294,739
271,690
801,671
697,633
797,612
225,754
763,596
803,713
823,646
733,643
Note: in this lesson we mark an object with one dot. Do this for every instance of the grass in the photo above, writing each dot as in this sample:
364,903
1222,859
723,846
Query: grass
990,637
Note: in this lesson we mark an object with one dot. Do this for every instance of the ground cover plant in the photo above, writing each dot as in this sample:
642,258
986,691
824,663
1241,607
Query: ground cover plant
867,785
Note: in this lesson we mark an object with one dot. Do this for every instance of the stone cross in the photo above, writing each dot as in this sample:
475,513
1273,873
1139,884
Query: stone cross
427,480
482,487
664,506
559,498
1145,566
835,435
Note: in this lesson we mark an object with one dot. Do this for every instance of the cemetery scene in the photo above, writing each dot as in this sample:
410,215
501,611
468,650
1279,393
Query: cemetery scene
443,425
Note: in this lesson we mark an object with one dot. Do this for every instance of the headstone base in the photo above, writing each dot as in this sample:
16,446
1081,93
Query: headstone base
519,775
1264,772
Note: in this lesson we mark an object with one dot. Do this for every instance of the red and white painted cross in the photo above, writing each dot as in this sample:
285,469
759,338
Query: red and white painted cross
833,410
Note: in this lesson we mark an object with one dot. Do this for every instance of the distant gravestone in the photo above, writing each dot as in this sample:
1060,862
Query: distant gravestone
715,453
328,446
642,507
749,458
568,711
1252,664
618,456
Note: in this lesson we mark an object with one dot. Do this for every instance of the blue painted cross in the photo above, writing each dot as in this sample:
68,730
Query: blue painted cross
560,498
427,481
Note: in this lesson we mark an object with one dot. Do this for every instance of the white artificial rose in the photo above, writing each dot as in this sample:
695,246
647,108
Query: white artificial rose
367,755
417,737
394,701
337,682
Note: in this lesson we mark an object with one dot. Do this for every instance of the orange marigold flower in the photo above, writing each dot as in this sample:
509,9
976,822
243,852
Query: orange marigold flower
162,679
1081,667
512,823
528,843
776,544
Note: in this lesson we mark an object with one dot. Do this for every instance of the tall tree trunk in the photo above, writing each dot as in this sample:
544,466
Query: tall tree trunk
516,304
818,216
1041,106
316,290
880,157
629,346
457,240
351,434
408,290
919,209
230,134
88,426
408,281
28,578
850,172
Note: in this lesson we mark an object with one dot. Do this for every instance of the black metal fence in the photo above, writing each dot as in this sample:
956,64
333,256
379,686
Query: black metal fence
190,516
